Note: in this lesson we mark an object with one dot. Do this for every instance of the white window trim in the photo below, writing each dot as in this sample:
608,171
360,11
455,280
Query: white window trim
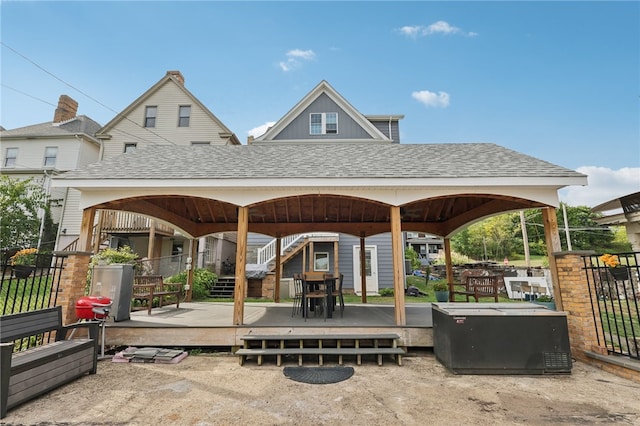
133,145
14,158
323,130
188,117
325,255
147,108
55,157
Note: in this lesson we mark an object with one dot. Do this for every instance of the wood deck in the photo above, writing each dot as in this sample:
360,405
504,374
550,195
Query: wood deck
211,324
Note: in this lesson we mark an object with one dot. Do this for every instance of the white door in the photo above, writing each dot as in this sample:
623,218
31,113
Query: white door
371,262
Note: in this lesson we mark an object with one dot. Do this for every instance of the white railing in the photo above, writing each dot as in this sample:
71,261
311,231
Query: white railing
267,253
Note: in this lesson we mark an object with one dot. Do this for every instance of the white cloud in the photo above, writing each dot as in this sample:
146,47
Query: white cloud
302,54
295,58
260,130
440,99
439,27
604,184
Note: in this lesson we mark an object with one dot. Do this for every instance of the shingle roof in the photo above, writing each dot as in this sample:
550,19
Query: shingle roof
465,160
79,124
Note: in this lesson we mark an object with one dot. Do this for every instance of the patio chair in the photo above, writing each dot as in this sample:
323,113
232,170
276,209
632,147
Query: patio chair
337,293
298,294
314,291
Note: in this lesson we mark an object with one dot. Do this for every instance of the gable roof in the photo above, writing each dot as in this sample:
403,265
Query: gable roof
169,78
324,88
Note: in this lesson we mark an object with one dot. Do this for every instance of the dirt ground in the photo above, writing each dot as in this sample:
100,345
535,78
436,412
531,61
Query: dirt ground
216,390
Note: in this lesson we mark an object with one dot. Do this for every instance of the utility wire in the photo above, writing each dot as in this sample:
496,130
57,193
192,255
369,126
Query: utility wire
28,95
83,93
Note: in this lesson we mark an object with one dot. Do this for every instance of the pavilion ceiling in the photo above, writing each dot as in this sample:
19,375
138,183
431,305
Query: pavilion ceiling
315,213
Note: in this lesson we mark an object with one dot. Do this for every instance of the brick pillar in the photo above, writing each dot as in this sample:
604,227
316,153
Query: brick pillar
573,288
73,281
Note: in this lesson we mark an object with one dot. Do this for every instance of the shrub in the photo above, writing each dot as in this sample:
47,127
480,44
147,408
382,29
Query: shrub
386,292
440,286
203,279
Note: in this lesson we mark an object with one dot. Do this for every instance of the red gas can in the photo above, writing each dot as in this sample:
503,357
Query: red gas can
85,305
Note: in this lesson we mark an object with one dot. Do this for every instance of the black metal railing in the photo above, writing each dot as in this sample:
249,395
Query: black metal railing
30,287
615,297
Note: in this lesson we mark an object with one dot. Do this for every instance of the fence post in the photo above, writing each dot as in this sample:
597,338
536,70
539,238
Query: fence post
73,281
573,287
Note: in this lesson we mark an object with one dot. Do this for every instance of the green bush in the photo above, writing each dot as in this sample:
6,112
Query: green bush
203,279
440,285
386,292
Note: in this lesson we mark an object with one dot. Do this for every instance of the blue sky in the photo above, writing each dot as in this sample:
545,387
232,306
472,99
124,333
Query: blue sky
556,80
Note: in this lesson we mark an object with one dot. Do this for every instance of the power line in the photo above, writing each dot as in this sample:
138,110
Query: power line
28,95
85,94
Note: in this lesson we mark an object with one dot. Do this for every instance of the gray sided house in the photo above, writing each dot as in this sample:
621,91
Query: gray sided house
324,117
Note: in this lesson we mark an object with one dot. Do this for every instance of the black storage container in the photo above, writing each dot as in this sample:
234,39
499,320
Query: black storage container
501,338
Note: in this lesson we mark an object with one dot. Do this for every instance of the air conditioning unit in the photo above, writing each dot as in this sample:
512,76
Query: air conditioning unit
501,338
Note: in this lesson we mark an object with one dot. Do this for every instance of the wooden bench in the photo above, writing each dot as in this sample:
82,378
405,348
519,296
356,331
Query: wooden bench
357,345
148,287
477,286
29,373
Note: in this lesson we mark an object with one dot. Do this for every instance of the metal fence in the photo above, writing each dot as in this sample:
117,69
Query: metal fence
615,297
29,288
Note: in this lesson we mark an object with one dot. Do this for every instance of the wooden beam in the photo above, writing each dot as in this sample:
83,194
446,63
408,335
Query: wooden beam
397,252
98,234
152,237
552,238
86,229
448,266
276,287
241,261
336,267
363,270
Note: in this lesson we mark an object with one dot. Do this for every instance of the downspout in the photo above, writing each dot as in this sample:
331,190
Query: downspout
390,136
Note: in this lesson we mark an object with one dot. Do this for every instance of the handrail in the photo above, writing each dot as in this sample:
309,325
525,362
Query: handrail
268,253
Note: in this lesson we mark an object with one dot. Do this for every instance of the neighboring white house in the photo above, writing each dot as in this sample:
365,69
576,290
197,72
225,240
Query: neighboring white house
43,150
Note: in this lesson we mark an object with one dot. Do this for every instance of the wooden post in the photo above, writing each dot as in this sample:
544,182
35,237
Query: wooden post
449,266
304,259
336,267
152,237
241,260
193,250
363,270
311,265
276,287
397,252
86,229
96,241
552,238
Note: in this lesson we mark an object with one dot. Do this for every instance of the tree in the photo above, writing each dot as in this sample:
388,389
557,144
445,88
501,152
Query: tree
20,203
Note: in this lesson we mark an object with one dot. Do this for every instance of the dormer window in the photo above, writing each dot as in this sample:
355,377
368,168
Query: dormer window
323,123
150,114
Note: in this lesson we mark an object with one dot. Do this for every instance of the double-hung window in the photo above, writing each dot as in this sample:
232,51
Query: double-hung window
150,114
184,112
50,155
323,123
10,157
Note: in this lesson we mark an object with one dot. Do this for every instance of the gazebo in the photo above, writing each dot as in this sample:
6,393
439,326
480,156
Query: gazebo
353,188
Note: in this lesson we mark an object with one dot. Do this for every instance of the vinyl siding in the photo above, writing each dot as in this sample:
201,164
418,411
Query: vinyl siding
168,99
299,127
383,126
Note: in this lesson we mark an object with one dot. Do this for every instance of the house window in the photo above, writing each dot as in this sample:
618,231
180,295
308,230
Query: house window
200,143
323,123
150,114
10,157
50,154
321,261
184,113
130,147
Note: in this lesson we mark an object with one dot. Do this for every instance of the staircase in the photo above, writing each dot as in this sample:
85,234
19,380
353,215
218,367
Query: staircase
224,287
290,246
